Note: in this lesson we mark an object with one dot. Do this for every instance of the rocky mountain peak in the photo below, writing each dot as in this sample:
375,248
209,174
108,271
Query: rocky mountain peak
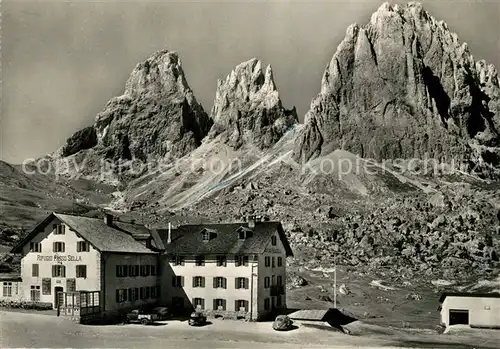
248,109
404,86
157,116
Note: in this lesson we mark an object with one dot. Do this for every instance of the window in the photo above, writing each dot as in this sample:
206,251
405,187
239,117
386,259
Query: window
241,234
267,261
219,304
221,261
178,260
58,229
273,240
35,270
35,247
273,262
121,271
198,281
280,261
153,270
154,292
145,270
59,271
133,270
206,235
58,246
266,282
70,285
273,280
81,271
142,293
199,303
279,280
267,304
178,281
220,282
35,293
133,294
200,261
7,289
136,270
241,305
46,286
121,296
241,283
82,246
241,261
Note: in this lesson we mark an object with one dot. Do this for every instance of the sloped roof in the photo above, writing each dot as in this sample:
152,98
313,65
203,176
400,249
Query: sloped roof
310,314
187,239
117,237
10,277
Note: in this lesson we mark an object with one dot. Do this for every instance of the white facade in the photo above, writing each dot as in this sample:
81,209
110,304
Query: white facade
474,310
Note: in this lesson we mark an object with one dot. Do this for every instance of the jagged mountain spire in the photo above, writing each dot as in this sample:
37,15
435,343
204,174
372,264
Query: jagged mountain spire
404,86
248,109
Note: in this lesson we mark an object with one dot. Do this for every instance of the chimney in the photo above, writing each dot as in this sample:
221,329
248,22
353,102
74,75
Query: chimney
108,219
169,238
251,221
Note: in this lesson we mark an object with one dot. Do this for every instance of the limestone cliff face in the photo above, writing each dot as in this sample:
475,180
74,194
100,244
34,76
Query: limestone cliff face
404,86
157,116
248,109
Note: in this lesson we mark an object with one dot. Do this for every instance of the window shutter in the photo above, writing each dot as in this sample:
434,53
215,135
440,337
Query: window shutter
53,271
194,281
63,271
117,296
125,271
236,305
236,283
215,282
224,282
117,271
203,303
53,247
246,283
136,270
182,281
202,281
224,304
215,304
246,306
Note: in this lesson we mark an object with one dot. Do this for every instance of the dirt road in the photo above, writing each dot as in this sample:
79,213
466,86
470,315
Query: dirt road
36,330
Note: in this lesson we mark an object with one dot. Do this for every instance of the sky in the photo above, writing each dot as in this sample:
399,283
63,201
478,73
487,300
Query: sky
61,61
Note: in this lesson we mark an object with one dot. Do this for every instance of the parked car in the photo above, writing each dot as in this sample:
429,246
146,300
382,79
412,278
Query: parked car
162,312
138,315
282,323
197,319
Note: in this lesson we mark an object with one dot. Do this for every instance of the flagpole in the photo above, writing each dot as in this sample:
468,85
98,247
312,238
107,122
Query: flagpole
335,286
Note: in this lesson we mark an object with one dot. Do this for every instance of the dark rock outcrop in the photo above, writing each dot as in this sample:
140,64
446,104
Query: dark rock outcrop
403,86
248,109
157,116
80,140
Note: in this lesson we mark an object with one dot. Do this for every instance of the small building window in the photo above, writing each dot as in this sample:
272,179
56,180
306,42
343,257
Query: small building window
81,271
273,240
58,229
219,304
178,260
241,261
145,270
198,281
82,246
206,235
273,259
220,282
200,261
121,295
35,293
35,270
7,289
267,304
221,261
273,280
280,261
199,303
121,270
266,282
178,281
279,280
267,261
241,305
240,282
58,246
35,247
59,271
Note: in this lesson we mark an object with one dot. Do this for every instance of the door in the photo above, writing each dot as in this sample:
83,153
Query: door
58,297
459,317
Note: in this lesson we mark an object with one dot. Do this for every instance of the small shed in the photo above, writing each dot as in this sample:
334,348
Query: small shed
11,287
467,308
332,316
